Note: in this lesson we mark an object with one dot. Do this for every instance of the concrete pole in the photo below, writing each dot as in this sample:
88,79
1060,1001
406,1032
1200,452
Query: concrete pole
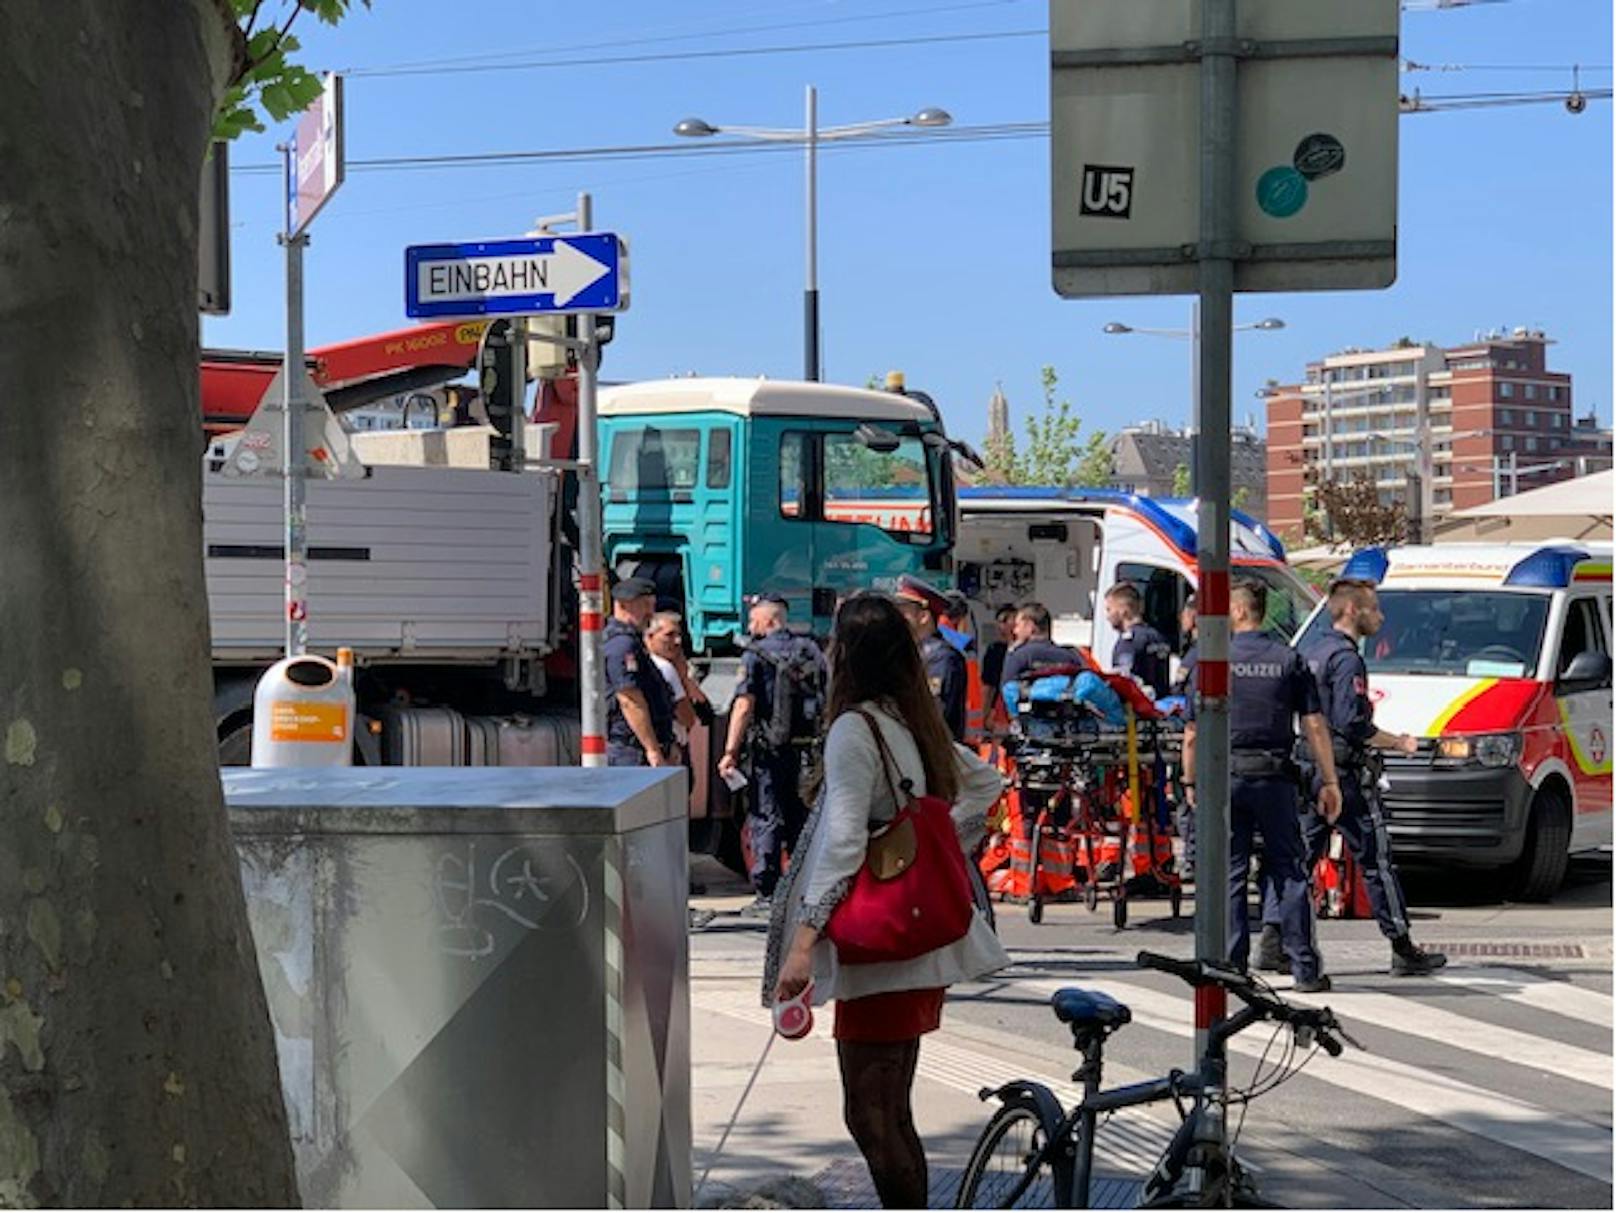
1195,391
1425,456
810,294
591,559
1219,103
295,511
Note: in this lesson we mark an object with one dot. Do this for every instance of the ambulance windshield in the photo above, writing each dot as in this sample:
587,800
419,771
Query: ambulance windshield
1474,634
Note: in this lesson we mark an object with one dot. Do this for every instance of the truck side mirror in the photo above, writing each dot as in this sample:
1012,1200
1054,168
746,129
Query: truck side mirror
882,442
1588,670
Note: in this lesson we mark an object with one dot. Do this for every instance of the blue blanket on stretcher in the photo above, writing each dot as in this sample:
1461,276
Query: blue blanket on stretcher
1086,688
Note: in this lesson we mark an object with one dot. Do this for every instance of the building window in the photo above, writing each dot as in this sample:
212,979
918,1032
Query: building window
1559,421
1443,497
1529,418
1531,446
1507,442
1554,391
1531,391
1506,416
1506,391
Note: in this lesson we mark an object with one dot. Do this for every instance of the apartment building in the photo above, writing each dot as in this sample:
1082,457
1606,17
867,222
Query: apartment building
1487,419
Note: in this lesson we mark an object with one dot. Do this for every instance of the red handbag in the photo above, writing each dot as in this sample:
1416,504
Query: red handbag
911,895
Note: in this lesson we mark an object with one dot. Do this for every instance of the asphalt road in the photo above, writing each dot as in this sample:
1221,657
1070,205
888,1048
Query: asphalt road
1487,1086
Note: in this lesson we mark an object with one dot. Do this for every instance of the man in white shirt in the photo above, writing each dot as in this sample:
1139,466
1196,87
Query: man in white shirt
664,639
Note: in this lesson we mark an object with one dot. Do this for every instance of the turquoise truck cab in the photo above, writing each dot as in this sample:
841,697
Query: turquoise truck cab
718,489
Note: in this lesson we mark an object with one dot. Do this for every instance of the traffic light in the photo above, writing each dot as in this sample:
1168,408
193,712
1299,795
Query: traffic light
502,382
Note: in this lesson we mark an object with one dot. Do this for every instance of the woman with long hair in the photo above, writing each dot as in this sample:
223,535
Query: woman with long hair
877,682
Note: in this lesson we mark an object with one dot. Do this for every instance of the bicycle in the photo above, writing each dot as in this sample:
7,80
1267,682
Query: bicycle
1033,1152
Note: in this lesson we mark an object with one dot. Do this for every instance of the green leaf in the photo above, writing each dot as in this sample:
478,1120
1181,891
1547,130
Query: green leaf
278,101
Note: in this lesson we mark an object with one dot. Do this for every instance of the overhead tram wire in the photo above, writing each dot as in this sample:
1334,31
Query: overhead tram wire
489,57
905,137
1412,103
685,56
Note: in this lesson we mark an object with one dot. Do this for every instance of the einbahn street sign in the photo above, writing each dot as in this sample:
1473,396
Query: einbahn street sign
1315,145
583,272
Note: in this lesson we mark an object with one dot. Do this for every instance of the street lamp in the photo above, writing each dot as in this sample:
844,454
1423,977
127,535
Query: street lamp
1193,336
810,136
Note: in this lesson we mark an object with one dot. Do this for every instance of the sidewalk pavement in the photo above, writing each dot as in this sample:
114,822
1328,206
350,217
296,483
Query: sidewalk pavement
791,1124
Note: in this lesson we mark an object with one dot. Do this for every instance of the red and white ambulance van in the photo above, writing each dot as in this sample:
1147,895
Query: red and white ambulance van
1497,657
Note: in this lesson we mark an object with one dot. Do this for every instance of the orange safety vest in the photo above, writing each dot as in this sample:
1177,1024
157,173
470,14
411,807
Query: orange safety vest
975,725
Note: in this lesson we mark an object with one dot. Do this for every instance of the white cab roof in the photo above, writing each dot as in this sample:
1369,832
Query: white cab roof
759,398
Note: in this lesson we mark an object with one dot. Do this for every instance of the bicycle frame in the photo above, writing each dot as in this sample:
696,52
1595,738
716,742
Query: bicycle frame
1075,1138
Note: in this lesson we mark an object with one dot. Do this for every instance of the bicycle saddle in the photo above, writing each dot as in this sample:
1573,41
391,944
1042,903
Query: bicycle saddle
1089,1008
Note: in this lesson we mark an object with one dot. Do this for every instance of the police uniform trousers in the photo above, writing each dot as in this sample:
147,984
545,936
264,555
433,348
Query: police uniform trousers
1363,828
777,813
1268,806
620,754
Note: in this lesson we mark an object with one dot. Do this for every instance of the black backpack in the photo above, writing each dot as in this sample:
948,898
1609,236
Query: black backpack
799,695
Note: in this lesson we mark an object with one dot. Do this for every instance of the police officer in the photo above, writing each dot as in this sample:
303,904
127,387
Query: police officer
1270,686
639,710
1033,649
923,606
1343,681
1184,683
775,663
1141,652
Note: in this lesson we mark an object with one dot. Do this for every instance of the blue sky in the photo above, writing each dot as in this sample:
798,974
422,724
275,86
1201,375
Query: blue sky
1504,215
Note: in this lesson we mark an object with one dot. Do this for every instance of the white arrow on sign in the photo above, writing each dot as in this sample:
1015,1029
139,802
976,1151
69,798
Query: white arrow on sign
564,273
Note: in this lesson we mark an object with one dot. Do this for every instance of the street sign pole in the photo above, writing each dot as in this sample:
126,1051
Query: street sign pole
1219,102
296,481
314,170
591,560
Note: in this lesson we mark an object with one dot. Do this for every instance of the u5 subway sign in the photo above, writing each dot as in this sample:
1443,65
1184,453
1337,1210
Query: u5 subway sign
585,272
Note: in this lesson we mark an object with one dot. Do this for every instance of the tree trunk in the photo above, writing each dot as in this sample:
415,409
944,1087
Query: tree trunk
137,1064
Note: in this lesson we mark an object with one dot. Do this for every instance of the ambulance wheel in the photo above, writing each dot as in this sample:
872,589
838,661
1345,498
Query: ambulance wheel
1035,910
1175,901
1539,872
1119,912
1091,896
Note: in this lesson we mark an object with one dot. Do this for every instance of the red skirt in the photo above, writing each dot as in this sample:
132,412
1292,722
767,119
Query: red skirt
889,1018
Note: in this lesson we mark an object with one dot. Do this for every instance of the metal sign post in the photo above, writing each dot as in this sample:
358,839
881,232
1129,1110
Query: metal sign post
314,170
543,274
1213,486
591,558
1288,110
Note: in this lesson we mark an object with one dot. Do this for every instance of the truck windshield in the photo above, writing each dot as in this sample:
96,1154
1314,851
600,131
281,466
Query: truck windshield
653,459
891,490
1475,634
1289,599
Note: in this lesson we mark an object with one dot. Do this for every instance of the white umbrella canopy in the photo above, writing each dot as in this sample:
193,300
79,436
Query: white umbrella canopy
1569,509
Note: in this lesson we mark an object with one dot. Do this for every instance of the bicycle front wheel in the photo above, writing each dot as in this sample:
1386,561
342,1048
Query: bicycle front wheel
1007,1169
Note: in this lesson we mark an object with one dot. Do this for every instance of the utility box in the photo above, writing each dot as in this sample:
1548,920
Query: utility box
478,980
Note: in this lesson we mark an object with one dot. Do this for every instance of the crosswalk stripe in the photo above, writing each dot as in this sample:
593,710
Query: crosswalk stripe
1413,1018
1130,1142
1565,1140
1539,993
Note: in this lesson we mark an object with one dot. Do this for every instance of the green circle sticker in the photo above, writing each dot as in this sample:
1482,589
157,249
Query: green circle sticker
1281,192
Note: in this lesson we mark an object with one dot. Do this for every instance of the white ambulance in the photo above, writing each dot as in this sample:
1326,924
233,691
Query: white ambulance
1066,547
1497,657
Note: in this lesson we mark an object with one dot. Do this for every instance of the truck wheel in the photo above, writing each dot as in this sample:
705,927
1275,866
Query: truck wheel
235,741
1538,873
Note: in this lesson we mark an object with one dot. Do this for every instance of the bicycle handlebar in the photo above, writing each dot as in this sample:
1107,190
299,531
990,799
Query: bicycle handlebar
1319,1021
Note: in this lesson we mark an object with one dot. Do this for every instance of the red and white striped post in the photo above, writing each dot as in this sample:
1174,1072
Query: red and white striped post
591,558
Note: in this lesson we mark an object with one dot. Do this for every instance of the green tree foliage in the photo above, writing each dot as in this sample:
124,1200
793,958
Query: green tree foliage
1240,497
1181,480
265,77
1055,453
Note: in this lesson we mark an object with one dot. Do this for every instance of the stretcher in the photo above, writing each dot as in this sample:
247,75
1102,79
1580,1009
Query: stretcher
1087,813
